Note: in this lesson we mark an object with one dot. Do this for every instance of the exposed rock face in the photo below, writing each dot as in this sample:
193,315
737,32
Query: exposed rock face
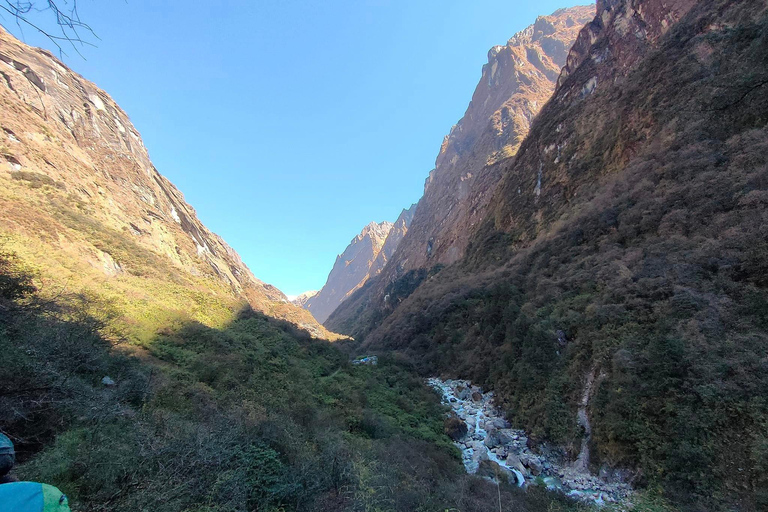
626,241
396,235
75,169
302,299
351,270
624,31
607,50
515,83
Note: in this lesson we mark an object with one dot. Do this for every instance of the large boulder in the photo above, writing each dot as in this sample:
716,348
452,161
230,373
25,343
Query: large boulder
491,469
479,456
533,463
514,462
505,437
492,440
500,423
455,428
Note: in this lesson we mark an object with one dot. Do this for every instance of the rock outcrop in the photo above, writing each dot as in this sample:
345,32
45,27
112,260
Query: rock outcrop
516,82
623,258
396,235
351,270
77,179
302,299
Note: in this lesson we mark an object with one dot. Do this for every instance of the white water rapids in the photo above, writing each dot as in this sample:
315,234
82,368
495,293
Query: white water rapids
490,437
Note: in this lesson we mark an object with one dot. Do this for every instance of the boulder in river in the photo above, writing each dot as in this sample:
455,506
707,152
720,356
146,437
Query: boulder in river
513,461
492,439
533,463
500,423
455,428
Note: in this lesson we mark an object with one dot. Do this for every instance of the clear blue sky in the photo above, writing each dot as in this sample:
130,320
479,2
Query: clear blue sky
291,124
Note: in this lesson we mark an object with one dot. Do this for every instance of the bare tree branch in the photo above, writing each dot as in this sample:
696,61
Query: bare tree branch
64,12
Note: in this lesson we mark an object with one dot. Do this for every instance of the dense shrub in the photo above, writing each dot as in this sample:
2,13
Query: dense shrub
254,416
640,268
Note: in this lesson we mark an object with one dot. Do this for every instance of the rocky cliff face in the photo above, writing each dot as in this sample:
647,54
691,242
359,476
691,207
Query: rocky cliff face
614,296
301,300
351,270
396,235
77,182
516,82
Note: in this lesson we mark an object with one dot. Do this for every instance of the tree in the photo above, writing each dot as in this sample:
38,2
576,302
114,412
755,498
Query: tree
69,28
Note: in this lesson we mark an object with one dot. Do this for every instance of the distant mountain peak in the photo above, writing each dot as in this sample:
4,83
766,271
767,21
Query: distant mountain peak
365,256
301,299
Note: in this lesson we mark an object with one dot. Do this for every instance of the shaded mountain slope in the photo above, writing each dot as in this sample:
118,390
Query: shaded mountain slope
81,199
255,415
614,297
517,80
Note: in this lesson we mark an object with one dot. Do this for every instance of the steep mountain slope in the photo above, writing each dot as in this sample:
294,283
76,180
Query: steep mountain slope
350,270
302,299
615,296
81,199
517,80
395,236
222,407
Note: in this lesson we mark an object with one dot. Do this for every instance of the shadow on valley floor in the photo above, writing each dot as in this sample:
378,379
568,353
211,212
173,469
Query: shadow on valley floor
254,416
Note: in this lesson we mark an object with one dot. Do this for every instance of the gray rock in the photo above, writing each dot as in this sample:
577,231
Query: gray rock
533,463
492,439
500,423
513,461
479,456
108,382
505,437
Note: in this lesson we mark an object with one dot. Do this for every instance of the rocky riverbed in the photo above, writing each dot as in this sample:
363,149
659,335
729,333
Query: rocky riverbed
490,445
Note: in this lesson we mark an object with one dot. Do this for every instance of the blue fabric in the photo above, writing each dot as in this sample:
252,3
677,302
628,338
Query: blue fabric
21,497
6,446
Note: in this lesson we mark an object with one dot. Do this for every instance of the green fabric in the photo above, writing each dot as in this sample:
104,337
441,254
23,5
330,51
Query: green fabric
32,497
54,500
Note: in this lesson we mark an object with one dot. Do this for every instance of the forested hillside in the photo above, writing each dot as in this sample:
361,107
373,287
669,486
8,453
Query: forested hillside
615,296
256,415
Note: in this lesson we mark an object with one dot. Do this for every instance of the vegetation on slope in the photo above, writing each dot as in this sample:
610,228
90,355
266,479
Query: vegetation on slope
255,415
643,266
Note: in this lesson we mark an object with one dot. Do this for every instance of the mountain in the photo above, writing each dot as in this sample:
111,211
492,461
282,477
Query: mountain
351,269
354,268
81,199
515,83
136,370
395,236
613,295
302,299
